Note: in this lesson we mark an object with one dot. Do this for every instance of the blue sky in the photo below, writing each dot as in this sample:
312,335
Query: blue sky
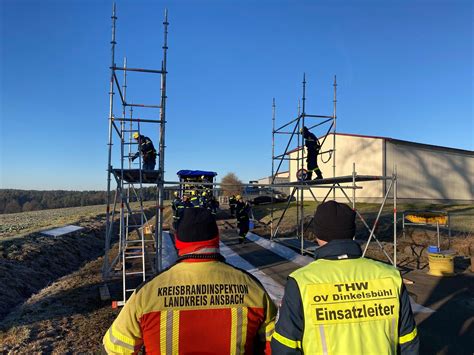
404,70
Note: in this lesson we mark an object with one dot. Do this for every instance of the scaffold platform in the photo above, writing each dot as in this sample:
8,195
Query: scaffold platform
334,180
132,176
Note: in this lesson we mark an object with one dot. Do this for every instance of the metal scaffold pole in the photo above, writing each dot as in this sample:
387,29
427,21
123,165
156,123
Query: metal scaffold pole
109,220
300,200
334,135
159,219
273,163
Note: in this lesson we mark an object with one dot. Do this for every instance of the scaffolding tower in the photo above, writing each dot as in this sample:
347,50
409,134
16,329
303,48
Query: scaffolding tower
342,183
139,251
293,129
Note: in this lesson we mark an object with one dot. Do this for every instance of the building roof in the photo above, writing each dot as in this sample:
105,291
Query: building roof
398,141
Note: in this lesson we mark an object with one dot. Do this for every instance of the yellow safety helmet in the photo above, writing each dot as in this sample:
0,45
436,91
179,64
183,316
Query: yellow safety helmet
193,192
176,193
238,197
136,135
204,193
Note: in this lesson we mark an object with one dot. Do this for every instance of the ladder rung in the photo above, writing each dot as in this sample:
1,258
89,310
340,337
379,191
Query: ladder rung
134,273
139,253
132,248
133,257
139,241
130,130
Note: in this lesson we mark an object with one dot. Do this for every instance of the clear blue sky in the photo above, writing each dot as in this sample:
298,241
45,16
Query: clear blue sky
404,69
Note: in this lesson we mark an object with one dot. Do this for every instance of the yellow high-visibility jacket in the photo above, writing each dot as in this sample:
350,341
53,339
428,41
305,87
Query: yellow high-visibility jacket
345,304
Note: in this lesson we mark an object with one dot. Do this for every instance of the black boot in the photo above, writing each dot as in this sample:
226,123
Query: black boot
309,174
318,175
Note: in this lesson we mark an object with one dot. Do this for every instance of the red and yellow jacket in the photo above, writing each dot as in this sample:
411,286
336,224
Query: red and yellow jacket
207,307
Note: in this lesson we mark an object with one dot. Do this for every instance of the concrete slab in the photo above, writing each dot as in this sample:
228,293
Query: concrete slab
450,329
57,232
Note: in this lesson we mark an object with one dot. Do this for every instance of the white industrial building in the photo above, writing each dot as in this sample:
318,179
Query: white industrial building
280,178
424,172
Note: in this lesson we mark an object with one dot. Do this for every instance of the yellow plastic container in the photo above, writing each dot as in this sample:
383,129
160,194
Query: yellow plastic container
441,264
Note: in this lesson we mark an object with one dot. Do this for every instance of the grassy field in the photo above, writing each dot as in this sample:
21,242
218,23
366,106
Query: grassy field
412,246
19,224
462,216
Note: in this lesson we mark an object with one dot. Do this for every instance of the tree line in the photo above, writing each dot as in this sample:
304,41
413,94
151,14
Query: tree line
14,201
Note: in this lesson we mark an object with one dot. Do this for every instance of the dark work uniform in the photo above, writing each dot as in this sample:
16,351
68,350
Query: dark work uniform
243,219
176,205
214,205
312,147
195,201
232,205
146,148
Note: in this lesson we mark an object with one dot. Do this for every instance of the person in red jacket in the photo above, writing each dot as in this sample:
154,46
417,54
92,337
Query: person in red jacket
200,305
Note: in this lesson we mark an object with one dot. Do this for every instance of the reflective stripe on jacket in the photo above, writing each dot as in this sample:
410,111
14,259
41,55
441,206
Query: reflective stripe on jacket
350,305
196,307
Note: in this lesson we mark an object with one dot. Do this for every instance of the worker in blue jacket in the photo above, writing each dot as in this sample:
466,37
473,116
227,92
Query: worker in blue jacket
177,205
312,150
147,150
243,217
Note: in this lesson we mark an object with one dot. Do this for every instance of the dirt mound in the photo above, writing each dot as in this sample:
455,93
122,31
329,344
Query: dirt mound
29,264
65,317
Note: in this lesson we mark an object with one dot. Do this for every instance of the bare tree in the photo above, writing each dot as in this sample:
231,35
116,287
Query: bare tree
12,207
231,185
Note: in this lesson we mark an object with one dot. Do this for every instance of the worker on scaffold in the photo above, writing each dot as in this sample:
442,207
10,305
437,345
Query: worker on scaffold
147,150
312,148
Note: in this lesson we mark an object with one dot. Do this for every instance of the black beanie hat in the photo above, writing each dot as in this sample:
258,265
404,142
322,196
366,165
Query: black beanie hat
334,220
197,225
